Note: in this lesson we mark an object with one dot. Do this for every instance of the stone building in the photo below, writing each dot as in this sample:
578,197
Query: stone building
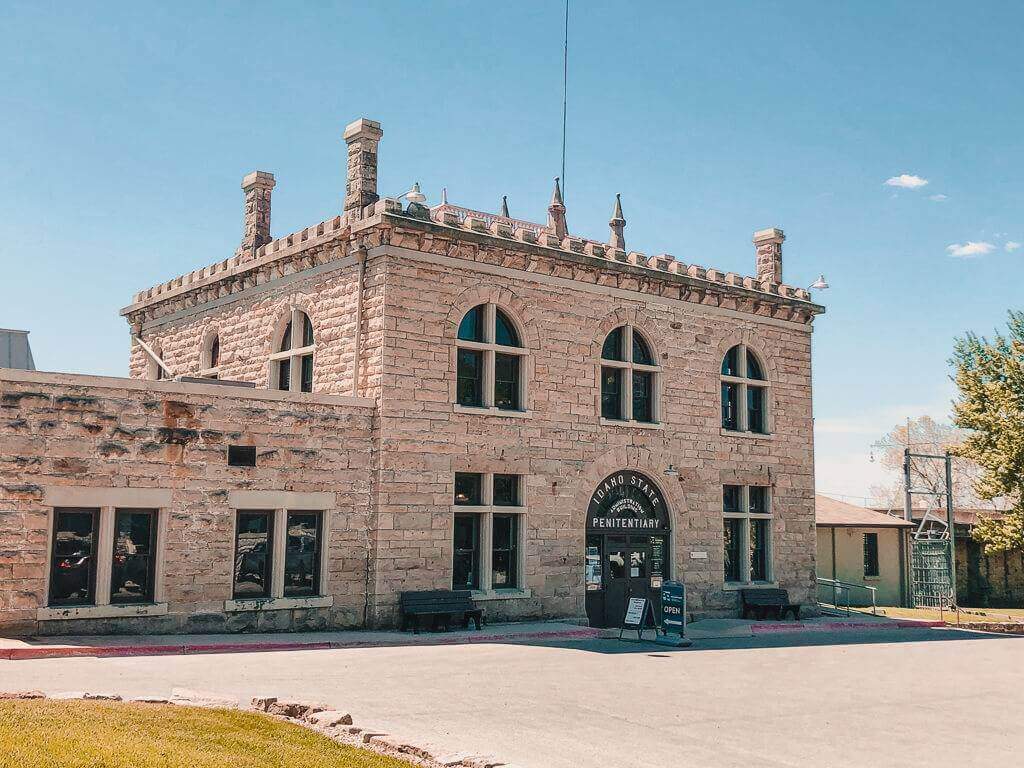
406,397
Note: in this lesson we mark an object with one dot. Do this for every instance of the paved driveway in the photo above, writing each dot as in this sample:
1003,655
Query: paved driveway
898,698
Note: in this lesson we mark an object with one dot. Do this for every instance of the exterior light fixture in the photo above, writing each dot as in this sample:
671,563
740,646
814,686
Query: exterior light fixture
819,285
414,195
671,471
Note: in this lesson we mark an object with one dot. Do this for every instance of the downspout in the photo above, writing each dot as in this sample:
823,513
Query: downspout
360,255
153,355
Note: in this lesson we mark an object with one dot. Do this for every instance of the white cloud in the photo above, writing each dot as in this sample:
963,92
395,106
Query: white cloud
906,181
1011,246
970,249
940,198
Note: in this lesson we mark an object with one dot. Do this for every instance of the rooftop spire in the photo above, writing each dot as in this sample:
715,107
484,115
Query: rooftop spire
556,214
444,195
617,225
504,206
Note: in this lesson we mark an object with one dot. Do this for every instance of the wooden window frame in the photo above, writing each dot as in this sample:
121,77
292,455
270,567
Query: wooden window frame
485,512
746,516
490,350
628,368
293,354
742,384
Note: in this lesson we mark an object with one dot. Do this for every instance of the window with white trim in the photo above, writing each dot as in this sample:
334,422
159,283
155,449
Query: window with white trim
747,533
155,371
103,556
630,378
279,553
488,531
744,392
291,364
491,364
209,367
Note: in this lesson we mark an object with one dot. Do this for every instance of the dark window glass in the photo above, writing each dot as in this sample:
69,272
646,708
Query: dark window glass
759,550
753,367
470,377
758,499
732,496
504,331
286,339
755,409
131,569
506,490
611,393
73,563
472,326
161,374
730,412
284,374
731,532
466,554
307,331
731,362
870,554
302,555
642,400
504,557
241,455
612,349
214,352
616,564
253,538
641,352
467,488
306,383
506,382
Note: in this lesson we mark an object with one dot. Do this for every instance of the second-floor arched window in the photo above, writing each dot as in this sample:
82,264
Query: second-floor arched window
491,361
291,364
210,361
744,391
629,378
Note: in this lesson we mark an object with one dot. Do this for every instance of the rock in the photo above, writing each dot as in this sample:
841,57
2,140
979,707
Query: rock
26,695
329,718
149,700
101,696
190,698
262,703
296,710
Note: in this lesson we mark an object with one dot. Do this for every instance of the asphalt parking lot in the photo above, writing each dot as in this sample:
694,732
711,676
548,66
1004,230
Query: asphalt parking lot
899,698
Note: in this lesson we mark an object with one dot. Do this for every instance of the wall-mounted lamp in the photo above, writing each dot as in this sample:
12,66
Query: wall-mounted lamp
818,285
671,471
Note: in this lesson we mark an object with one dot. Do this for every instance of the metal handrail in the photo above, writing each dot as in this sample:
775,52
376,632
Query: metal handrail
838,587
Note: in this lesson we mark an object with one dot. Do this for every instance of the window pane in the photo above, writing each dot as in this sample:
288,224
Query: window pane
506,490
307,331
730,413
284,370
506,382
472,326
616,564
758,499
252,555
731,532
641,352
612,349
214,352
643,403
611,393
755,409
470,377
73,565
753,367
504,558
504,331
731,362
759,550
131,570
870,554
467,488
466,554
731,498
593,567
306,384
302,555
286,339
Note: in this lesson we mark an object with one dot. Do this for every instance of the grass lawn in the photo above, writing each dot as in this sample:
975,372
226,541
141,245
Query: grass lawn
98,734
966,614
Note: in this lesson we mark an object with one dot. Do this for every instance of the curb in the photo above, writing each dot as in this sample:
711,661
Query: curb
842,626
115,651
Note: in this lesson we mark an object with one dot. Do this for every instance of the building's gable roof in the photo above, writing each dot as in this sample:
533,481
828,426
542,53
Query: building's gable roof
831,513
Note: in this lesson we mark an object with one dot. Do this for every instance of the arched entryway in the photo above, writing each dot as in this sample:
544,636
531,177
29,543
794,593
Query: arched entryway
627,546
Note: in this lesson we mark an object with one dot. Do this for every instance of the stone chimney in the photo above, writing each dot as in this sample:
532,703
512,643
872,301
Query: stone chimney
617,224
362,138
257,187
768,245
556,214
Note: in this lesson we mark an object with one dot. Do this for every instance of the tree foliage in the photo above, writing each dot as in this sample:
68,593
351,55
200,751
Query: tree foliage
990,377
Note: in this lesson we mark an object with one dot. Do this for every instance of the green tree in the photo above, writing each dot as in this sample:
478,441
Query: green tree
990,377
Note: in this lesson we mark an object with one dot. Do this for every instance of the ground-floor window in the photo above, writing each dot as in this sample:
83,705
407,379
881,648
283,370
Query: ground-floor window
487,531
102,556
746,533
870,555
278,553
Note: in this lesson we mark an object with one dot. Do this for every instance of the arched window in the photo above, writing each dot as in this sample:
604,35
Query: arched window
210,365
154,370
491,361
744,392
291,364
629,378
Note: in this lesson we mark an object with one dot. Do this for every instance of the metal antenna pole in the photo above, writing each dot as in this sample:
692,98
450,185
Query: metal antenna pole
565,91
952,527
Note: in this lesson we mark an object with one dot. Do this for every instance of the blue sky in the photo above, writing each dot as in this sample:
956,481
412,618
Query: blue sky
125,130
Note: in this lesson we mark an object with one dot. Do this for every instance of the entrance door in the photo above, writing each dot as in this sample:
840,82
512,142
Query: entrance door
627,565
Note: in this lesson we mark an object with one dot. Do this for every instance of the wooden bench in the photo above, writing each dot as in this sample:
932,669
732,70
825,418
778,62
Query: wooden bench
762,602
442,605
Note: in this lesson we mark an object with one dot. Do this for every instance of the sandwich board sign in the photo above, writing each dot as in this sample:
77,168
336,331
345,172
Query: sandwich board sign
638,612
673,607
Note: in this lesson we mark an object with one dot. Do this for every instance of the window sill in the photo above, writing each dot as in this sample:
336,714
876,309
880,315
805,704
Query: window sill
749,435
121,611
481,595
736,586
484,411
631,424
277,603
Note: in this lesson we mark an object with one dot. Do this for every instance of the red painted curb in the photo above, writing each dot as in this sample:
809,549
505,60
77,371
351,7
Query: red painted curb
840,626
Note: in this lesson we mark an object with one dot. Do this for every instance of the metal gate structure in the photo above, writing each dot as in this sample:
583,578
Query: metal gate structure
933,548
930,561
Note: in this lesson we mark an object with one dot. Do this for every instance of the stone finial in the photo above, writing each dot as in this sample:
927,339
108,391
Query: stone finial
617,225
362,138
768,246
504,206
556,214
257,187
